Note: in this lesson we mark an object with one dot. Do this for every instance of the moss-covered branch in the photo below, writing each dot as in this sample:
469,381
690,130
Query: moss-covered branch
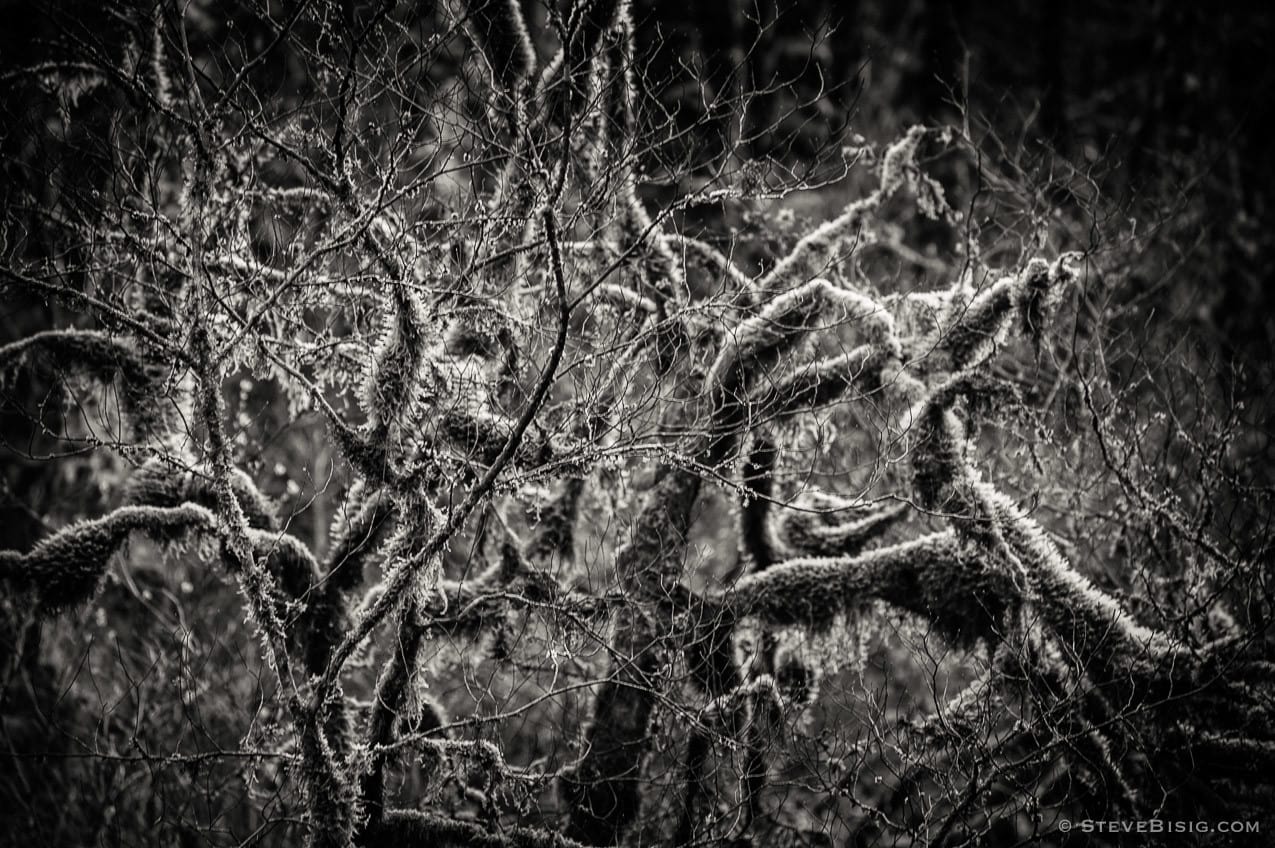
144,404
480,437
394,383
817,524
411,828
157,482
500,32
938,577
568,79
389,703
552,538
603,796
65,569
816,251
424,551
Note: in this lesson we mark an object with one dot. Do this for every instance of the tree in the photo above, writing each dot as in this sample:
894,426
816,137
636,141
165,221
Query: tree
565,453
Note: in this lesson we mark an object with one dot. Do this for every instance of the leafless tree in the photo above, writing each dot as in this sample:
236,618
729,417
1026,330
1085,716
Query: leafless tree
588,522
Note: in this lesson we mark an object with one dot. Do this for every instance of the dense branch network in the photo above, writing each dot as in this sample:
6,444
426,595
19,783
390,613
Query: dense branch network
464,400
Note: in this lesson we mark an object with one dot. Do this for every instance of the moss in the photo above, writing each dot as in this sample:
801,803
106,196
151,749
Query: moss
486,334
65,569
463,610
157,483
982,326
843,532
611,82
352,541
497,26
659,268
1038,293
1092,623
651,562
143,404
288,559
983,323
817,250
962,591
601,793
410,827
709,647
393,381
481,436
333,807
711,260
388,706
938,458
672,346
1098,632
758,342
659,534
818,384
899,158
761,342
427,717
562,93
367,457
355,537
307,611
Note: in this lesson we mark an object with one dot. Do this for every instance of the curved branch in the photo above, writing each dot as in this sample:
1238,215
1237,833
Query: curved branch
101,357
816,525
66,568
410,828
937,577
500,31
394,590
814,252
157,483
109,315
